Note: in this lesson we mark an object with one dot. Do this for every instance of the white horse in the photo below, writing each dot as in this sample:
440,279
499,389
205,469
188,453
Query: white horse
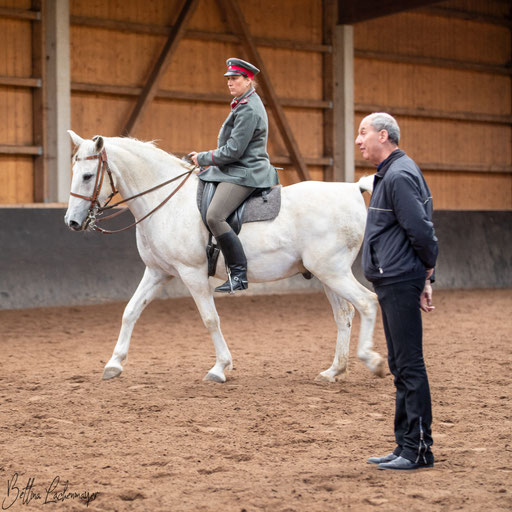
319,229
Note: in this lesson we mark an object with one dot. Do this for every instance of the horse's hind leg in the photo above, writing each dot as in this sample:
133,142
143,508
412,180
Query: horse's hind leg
343,314
347,287
147,290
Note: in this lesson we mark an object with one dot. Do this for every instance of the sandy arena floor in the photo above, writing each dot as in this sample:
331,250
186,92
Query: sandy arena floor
272,438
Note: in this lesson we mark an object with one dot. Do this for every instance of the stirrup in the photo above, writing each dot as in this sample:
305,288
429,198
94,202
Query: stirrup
233,284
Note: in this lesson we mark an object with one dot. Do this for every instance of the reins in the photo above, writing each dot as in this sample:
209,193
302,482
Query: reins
95,208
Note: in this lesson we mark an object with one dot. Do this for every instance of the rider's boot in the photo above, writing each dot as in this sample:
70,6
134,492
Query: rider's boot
236,263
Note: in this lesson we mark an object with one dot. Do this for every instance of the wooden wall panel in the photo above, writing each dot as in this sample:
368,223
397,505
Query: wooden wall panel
452,90
15,116
454,143
472,191
16,179
455,148
420,34
101,56
284,19
147,11
16,124
16,4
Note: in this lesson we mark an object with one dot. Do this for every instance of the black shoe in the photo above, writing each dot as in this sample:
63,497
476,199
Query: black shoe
379,460
236,262
403,464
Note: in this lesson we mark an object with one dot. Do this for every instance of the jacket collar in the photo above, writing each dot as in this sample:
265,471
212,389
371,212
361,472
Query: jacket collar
385,164
243,99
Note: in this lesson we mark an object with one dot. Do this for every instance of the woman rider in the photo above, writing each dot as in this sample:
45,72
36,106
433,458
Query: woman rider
240,165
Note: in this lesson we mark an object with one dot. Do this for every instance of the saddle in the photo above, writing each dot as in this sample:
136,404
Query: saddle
262,204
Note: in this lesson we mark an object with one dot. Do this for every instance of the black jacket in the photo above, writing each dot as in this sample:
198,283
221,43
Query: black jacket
399,240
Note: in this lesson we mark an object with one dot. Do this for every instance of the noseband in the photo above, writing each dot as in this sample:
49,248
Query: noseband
96,209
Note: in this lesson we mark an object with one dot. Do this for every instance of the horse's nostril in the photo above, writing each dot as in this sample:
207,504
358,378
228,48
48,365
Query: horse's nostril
73,224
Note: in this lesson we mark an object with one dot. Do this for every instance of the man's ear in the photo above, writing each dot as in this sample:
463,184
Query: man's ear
383,136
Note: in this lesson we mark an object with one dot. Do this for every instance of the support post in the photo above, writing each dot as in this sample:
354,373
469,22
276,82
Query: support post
151,86
58,100
240,28
343,48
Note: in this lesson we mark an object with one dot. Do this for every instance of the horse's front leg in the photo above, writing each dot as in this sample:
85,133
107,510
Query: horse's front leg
196,281
147,290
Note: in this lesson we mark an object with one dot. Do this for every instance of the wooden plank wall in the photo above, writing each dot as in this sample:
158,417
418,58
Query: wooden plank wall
16,125
444,72
112,56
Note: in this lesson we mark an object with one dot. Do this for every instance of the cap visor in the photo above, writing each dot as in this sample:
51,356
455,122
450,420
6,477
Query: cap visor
232,73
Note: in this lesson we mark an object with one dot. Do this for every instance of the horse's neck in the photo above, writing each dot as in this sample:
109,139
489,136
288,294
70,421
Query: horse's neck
140,172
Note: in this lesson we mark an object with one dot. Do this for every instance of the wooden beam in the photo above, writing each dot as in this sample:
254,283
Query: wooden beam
150,88
310,160
239,27
434,61
126,90
200,35
434,166
14,81
436,114
39,106
351,12
19,14
9,149
449,12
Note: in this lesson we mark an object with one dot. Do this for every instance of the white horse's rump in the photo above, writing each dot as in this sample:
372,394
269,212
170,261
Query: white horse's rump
320,229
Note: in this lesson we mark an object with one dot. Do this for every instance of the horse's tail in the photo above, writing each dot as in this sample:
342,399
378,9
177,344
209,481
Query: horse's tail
366,184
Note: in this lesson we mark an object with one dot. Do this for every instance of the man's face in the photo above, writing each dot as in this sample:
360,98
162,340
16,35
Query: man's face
370,142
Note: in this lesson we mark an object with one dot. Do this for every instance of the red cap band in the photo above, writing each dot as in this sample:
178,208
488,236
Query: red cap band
243,70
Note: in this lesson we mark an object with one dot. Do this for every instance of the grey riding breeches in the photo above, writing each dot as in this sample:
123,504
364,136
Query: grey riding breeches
226,200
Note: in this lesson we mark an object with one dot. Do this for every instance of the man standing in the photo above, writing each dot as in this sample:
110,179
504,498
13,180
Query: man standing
399,255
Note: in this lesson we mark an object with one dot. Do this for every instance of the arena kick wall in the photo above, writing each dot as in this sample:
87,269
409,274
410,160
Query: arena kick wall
42,263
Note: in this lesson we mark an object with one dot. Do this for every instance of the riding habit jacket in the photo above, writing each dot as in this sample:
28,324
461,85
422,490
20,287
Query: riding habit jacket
241,156
399,241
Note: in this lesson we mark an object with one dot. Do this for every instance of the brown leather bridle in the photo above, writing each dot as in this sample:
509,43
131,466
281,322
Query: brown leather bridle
96,209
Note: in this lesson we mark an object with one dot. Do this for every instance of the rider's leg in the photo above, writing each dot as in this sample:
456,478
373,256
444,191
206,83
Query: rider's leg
227,198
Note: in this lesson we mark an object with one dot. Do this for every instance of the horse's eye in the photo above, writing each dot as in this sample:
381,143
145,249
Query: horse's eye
87,177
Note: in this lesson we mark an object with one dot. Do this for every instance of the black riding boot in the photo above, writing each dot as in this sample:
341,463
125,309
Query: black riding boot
236,262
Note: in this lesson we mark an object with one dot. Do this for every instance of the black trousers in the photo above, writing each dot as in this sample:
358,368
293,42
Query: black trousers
401,316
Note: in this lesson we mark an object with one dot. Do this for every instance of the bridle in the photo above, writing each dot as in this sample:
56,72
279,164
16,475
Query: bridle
95,208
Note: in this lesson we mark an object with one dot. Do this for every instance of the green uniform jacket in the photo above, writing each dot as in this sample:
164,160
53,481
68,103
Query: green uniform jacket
241,156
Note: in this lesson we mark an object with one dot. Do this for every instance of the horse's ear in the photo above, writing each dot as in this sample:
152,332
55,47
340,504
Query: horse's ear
77,140
99,143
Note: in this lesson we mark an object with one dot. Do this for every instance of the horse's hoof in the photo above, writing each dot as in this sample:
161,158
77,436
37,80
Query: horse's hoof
323,377
380,369
329,376
111,372
214,377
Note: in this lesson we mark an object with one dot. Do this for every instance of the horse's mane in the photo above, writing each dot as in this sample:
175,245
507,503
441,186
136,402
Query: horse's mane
128,144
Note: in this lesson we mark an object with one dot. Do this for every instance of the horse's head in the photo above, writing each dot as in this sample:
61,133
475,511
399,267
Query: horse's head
90,185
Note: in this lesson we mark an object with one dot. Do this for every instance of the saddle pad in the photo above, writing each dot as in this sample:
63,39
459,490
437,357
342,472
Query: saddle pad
259,207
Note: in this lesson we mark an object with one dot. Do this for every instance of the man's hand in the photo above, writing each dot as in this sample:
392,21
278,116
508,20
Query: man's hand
426,297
